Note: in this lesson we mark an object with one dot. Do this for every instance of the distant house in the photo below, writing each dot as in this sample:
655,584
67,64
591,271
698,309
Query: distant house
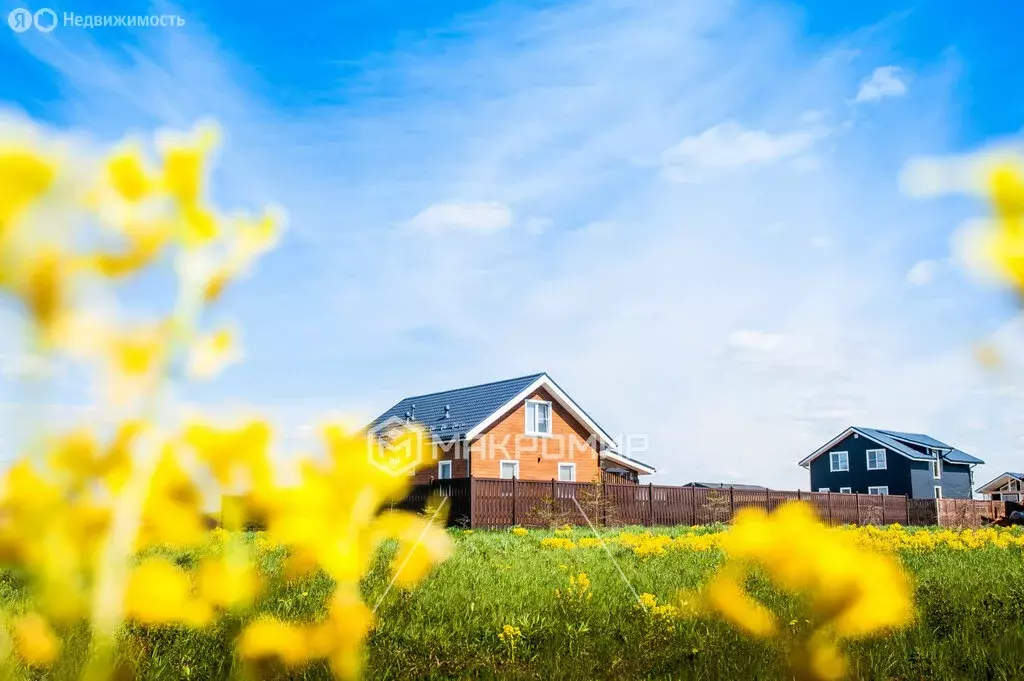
526,428
726,485
1007,487
874,461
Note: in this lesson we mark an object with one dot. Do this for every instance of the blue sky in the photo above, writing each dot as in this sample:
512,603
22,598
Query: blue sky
687,213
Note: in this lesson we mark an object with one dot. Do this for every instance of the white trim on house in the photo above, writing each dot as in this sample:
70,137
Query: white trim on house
842,456
937,469
993,486
572,472
526,414
846,490
824,489
938,491
881,490
508,462
441,465
876,452
628,463
556,392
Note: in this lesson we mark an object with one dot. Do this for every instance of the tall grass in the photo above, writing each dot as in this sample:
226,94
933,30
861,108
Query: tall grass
970,621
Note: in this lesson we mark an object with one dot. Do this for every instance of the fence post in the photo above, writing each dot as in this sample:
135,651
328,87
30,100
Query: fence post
650,504
767,501
472,501
693,503
857,495
604,503
882,496
732,504
554,491
798,497
828,502
513,501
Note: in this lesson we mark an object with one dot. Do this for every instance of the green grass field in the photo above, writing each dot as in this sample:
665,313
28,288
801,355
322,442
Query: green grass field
970,624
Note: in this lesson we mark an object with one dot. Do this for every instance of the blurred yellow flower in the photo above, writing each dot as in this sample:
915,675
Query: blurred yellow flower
34,640
160,592
24,177
267,637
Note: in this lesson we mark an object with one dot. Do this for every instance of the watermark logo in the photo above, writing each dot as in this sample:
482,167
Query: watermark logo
20,20
395,447
46,20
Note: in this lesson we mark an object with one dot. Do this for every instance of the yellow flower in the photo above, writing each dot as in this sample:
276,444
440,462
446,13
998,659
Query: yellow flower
128,175
728,598
557,543
267,637
225,583
24,177
159,592
34,641
519,531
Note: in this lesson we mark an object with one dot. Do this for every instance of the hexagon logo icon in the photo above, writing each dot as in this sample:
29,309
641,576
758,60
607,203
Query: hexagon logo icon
396,446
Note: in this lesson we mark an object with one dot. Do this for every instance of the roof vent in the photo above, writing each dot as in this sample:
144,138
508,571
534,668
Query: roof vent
447,411
412,413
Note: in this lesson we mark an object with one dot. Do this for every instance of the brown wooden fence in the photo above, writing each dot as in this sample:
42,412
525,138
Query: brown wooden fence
495,503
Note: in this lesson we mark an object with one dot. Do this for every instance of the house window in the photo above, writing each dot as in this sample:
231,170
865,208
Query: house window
884,489
846,490
824,489
876,459
937,468
444,470
938,492
567,472
839,461
509,470
1014,486
538,417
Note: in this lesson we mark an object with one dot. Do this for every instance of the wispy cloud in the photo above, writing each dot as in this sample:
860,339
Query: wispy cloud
488,216
885,81
552,126
729,145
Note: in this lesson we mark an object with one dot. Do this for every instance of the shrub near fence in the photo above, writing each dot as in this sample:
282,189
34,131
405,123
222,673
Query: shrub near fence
497,503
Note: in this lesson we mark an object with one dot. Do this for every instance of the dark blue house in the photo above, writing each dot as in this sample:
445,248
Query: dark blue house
872,461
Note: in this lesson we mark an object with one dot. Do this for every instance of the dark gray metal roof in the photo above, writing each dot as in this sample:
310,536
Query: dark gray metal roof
725,485
467,407
891,439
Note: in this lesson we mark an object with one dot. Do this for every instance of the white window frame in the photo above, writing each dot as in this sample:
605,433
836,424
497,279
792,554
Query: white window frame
534,432
832,463
824,489
938,491
937,469
441,465
507,462
1014,486
879,490
876,452
846,490
572,472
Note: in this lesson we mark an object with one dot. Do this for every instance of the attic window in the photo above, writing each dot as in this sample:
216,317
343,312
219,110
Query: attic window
538,417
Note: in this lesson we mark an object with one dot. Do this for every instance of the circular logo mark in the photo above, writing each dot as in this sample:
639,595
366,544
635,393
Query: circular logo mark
20,20
45,20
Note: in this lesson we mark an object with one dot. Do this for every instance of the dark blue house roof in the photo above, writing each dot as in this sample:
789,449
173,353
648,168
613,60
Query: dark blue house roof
466,407
900,441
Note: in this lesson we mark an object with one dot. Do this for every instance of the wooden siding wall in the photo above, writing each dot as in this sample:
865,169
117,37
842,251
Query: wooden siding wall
494,503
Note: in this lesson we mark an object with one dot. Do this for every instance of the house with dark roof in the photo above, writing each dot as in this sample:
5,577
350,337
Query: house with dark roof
527,428
874,461
739,487
1006,487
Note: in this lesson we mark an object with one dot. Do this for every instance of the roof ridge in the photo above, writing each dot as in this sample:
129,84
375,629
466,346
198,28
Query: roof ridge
478,385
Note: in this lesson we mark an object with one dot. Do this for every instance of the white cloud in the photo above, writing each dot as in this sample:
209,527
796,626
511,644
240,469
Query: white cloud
729,145
487,216
922,273
749,339
885,81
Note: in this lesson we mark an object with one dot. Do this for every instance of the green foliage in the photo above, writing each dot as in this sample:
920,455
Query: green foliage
970,622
